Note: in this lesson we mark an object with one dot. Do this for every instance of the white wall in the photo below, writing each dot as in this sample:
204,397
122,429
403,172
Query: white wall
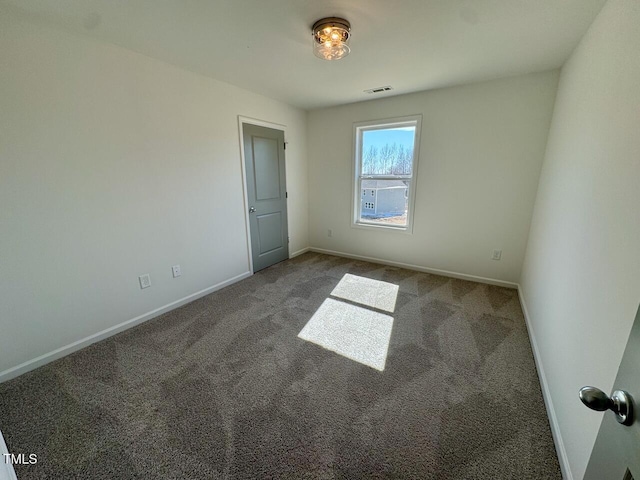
112,165
581,276
481,152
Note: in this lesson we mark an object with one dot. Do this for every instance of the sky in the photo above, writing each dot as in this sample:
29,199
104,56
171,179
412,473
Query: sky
379,138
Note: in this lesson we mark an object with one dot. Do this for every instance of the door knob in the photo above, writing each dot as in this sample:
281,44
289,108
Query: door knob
252,209
620,403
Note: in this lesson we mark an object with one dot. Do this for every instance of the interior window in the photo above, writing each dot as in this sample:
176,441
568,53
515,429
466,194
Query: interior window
385,166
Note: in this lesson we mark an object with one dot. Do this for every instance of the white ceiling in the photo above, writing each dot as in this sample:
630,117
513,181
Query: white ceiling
265,45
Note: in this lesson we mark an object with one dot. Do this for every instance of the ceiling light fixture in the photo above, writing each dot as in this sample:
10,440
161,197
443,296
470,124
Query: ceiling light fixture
331,38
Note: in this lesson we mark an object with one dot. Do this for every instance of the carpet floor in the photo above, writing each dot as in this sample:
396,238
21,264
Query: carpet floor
223,387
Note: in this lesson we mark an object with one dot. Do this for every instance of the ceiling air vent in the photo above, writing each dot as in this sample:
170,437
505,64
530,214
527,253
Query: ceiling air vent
386,88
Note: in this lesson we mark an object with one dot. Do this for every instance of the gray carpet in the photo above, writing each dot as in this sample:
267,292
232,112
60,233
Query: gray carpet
224,388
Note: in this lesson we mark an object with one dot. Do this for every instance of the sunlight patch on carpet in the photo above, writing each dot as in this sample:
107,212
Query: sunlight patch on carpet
354,332
368,292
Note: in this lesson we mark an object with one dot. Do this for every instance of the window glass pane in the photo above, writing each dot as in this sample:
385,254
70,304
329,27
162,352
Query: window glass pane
384,202
388,151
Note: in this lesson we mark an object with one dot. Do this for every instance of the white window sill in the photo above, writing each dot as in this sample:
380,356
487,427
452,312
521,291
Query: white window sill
388,228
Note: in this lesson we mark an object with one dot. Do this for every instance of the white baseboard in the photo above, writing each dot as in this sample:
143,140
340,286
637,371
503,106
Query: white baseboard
408,266
299,252
546,394
96,337
6,468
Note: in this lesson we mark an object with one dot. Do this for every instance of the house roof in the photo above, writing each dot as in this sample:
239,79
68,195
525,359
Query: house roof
383,184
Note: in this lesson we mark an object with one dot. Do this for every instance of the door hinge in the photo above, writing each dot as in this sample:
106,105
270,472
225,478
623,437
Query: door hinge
285,145
286,194
288,241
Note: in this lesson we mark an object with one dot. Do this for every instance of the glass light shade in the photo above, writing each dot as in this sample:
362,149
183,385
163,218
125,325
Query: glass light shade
330,38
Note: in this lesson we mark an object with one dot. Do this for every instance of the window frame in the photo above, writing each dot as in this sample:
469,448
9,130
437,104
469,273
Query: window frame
356,183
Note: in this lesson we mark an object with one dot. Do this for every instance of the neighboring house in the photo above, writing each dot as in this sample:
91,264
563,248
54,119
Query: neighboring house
384,198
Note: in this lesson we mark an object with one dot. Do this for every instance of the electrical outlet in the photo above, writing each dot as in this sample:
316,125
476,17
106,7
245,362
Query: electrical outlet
145,280
176,271
497,255
329,233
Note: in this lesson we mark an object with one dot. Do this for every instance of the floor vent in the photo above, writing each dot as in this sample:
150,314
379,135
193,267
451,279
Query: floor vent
386,88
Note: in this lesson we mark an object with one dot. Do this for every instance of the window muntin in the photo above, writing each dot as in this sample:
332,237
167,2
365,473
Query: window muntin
386,154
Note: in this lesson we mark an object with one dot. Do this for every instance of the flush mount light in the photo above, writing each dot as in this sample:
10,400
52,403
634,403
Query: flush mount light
330,38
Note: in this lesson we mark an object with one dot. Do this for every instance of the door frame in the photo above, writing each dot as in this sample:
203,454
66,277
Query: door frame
242,120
